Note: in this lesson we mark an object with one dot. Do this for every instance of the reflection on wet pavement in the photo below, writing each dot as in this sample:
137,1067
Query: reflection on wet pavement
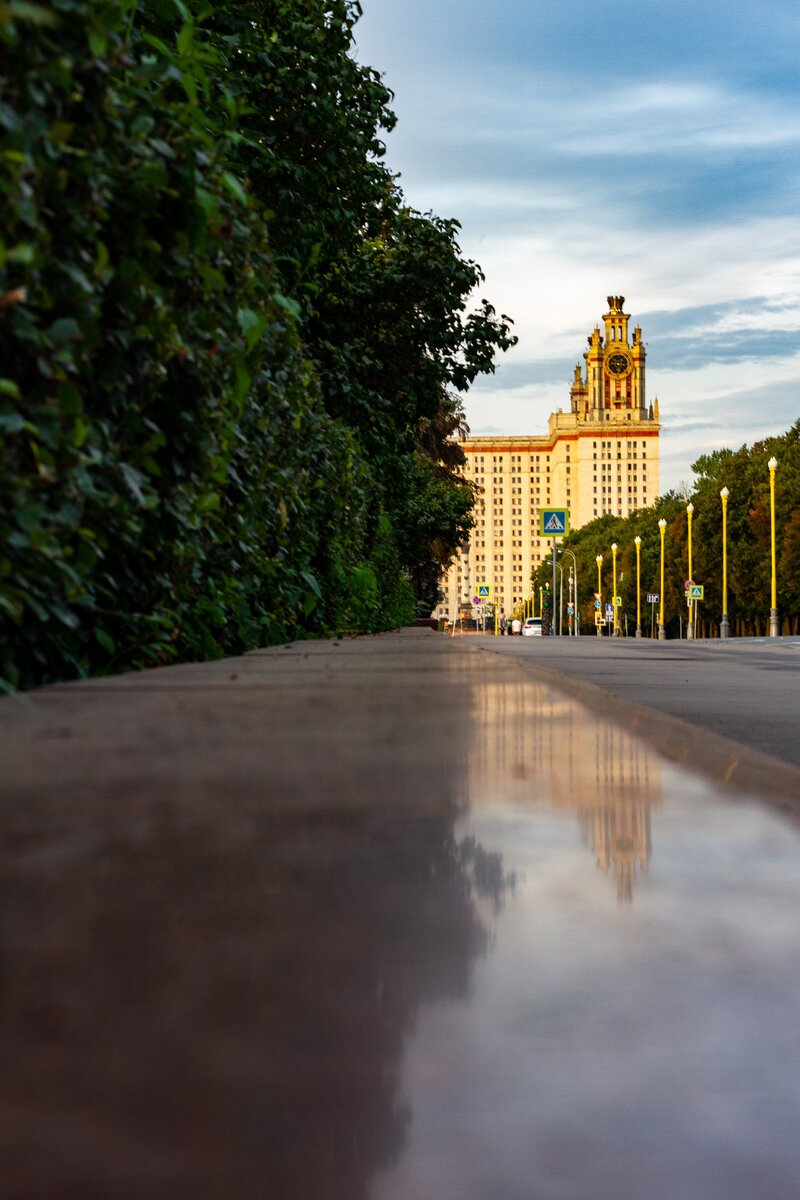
647,1048
461,939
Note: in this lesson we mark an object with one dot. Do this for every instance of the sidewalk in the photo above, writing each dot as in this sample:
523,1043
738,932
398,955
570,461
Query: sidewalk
259,922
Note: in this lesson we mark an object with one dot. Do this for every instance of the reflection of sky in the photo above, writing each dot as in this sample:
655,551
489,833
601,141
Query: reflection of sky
611,1049
653,153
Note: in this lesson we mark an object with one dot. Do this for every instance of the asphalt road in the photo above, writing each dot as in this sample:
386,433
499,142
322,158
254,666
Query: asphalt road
745,689
394,917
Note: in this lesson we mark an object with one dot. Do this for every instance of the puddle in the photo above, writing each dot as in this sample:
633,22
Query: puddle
631,1026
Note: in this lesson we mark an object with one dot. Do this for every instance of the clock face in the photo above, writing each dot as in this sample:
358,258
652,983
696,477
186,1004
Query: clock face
618,364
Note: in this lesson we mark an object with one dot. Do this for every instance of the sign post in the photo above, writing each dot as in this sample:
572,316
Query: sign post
652,600
554,523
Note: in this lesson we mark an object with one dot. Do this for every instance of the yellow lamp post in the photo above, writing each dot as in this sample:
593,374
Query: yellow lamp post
637,541
614,595
662,633
541,603
773,612
724,625
690,622
599,561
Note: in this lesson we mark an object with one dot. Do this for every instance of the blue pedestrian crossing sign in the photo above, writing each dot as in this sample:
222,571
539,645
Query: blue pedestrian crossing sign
484,590
553,522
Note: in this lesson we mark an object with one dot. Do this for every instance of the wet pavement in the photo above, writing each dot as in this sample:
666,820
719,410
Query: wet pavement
391,918
747,689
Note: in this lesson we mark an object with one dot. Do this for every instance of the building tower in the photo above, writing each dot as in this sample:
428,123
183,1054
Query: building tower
600,457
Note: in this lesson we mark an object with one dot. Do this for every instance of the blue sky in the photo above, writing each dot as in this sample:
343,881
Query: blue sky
649,150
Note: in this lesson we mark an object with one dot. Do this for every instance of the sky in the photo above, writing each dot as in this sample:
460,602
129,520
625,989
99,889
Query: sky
649,150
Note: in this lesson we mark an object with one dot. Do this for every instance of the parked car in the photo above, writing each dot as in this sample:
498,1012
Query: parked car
532,627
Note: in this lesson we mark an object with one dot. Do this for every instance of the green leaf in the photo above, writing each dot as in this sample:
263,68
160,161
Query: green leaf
24,253
105,640
9,388
65,329
186,37
252,325
234,186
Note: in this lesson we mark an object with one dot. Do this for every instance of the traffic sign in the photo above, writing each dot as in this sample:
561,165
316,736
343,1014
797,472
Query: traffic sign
652,597
553,522
618,601
477,600
688,584
570,609
609,612
598,595
696,591
484,590
598,603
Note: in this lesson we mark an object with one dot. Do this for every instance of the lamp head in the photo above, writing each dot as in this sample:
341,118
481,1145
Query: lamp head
614,547
599,559
724,493
772,464
690,509
637,541
662,524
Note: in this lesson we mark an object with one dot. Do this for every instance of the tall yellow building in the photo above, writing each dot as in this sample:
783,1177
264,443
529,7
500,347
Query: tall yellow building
600,457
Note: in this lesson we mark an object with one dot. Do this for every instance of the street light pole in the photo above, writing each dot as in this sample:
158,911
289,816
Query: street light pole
614,596
774,631
599,561
637,541
662,633
725,625
690,622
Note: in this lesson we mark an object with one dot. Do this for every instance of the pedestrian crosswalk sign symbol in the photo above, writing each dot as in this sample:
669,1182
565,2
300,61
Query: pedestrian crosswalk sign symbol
484,590
554,522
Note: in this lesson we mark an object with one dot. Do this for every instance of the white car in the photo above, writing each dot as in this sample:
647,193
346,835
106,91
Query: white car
532,627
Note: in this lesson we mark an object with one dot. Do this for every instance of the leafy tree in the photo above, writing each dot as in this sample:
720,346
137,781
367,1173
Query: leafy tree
229,351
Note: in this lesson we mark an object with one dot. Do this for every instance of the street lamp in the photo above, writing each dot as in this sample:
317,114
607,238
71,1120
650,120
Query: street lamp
599,561
614,596
662,633
690,622
725,625
773,612
565,550
637,541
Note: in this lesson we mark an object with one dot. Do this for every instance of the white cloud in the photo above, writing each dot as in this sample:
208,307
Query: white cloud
676,186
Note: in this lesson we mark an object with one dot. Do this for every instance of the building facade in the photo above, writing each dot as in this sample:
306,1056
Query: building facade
600,457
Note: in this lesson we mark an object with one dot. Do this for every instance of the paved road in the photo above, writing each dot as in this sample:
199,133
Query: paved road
394,918
744,689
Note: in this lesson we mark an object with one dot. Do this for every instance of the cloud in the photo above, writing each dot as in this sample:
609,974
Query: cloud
659,159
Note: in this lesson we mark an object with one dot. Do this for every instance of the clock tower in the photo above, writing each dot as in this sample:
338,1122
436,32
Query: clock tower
614,387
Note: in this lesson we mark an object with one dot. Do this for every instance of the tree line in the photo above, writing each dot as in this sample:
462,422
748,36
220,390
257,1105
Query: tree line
745,474
230,352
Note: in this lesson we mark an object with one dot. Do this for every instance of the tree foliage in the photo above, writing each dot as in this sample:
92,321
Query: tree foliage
228,347
745,474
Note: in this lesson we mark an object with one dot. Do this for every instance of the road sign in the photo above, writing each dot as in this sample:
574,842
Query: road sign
618,601
609,613
688,584
484,590
599,619
477,600
696,591
652,597
598,595
598,603
609,618
553,522
570,609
